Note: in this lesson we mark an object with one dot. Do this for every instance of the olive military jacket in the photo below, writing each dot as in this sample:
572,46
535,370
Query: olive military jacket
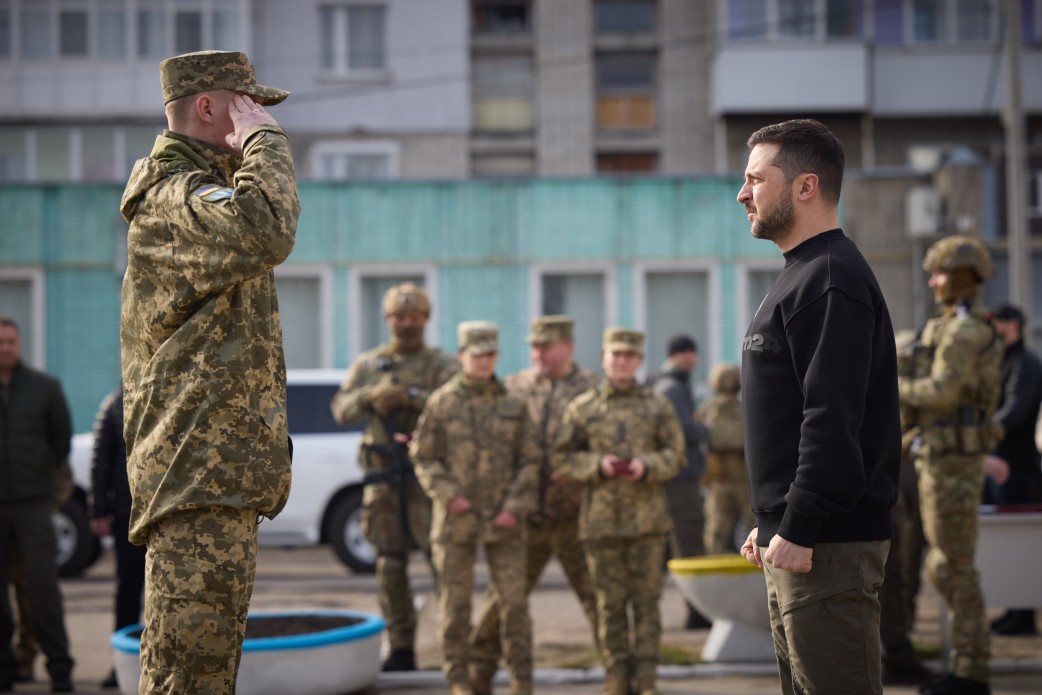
203,369
628,422
421,373
475,440
547,399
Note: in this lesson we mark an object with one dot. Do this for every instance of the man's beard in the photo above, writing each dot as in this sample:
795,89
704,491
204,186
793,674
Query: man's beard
777,223
408,338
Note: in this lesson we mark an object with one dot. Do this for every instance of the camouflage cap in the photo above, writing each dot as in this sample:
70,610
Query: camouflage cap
623,340
205,71
550,329
478,337
959,251
406,297
725,378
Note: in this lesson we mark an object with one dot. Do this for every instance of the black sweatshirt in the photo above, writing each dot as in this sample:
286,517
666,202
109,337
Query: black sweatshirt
819,385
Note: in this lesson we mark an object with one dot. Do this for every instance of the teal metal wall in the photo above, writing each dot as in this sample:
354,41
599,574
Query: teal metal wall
482,236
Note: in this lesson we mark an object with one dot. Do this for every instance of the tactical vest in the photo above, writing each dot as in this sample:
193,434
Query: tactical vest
966,428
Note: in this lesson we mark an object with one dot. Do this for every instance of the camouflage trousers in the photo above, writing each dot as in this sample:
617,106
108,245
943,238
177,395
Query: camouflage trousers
553,537
949,494
199,574
627,575
726,500
382,525
506,565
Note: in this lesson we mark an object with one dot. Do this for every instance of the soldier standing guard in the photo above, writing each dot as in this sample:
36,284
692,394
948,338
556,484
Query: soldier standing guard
212,211
950,396
553,528
726,481
477,458
623,443
389,386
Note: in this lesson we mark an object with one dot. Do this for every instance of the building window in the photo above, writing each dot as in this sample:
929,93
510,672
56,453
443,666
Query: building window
794,19
12,155
21,299
677,300
951,21
353,38
305,310
626,91
103,29
350,161
581,294
59,154
502,165
758,282
368,326
500,16
502,87
624,16
627,163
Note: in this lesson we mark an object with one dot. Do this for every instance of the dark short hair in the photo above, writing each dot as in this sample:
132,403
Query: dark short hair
681,343
1009,312
805,146
10,323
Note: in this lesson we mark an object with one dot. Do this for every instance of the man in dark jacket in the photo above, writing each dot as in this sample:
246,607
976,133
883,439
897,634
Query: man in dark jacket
684,493
35,437
1017,413
110,511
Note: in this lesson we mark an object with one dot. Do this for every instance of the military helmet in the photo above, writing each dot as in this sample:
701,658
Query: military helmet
724,378
959,251
405,298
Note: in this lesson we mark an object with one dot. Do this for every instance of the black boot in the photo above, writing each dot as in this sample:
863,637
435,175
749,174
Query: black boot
910,673
110,681
400,660
1016,622
950,684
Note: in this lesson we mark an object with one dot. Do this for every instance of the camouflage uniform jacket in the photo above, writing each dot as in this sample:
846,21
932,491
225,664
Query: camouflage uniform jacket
954,386
547,399
421,372
475,440
203,369
629,422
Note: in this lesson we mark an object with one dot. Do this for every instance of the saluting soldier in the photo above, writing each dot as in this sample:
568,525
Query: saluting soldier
476,457
949,398
212,210
548,386
623,443
388,387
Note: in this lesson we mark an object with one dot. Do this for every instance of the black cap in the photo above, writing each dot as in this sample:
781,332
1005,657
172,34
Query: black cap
1008,312
681,343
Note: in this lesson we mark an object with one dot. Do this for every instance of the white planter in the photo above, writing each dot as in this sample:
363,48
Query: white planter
331,662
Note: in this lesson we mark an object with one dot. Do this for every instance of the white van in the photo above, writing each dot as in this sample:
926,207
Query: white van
325,501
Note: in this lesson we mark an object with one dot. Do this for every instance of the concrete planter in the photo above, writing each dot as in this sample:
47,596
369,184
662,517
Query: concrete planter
330,662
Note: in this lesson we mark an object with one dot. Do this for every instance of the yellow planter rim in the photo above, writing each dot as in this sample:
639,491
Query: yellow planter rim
712,564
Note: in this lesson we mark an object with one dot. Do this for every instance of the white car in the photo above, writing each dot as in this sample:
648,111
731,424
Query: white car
325,501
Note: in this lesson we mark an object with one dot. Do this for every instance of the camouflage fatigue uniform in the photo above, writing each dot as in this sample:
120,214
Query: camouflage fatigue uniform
623,524
475,440
553,528
421,372
953,392
205,390
726,481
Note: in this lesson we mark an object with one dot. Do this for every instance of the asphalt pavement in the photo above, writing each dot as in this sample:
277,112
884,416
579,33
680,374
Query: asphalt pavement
311,578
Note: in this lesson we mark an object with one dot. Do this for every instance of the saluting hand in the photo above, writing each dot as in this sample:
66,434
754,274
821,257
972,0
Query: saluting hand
245,114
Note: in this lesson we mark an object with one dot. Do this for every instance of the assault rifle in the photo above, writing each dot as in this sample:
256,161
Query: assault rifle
399,472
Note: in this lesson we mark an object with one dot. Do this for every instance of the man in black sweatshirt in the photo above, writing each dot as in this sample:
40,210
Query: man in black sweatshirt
822,437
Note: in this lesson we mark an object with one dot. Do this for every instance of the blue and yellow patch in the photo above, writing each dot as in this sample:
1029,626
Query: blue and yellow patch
213,193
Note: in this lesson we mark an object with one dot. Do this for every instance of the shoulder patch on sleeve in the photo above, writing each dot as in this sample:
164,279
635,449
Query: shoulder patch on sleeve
213,193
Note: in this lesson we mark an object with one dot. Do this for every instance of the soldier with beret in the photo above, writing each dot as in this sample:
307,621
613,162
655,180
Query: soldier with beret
623,443
477,459
553,527
388,387
212,210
